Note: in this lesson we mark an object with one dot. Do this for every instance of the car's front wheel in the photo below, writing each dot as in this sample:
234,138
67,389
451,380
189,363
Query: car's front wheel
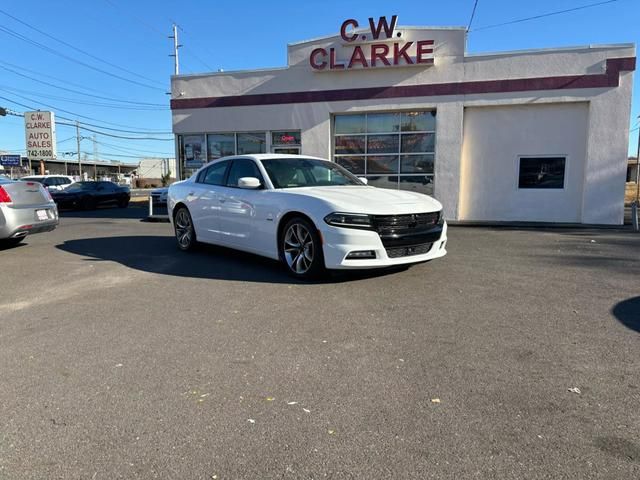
185,233
301,249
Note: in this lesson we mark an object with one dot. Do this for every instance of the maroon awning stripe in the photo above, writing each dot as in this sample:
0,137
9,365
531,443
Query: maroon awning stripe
609,79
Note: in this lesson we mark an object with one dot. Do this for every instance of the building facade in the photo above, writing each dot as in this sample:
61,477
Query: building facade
516,136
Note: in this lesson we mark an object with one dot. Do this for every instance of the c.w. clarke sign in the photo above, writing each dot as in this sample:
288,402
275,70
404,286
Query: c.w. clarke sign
384,48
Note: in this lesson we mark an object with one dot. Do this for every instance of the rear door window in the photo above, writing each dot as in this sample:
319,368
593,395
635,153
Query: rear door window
214,175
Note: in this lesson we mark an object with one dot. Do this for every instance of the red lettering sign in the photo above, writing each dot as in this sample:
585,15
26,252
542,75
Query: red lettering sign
379,51
421,51
358,57
332,60
379,54
402,53
343,30
313,59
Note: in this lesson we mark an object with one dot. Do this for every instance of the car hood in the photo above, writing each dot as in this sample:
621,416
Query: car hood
370,200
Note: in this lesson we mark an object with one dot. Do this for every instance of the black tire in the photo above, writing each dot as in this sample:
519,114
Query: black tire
184,231
301,249
10,242
123,203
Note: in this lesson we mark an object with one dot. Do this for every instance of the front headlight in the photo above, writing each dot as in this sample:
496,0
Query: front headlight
349,220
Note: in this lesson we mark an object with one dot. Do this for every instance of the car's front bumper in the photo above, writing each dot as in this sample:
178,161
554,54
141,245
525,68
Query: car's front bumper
19,222
338,242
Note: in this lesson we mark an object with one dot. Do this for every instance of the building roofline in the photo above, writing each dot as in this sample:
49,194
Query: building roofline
571,48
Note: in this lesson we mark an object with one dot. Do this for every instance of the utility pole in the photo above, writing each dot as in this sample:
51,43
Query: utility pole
95,157
176,46
636,205
78,138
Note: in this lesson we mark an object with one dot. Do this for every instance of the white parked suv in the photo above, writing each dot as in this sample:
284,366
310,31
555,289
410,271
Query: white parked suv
51,182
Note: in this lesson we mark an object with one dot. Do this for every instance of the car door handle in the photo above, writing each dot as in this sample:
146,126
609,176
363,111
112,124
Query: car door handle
222,200
190,193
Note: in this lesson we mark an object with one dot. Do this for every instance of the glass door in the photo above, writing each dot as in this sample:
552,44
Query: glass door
286,150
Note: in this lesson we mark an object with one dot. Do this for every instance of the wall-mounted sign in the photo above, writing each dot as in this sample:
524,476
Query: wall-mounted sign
10,160
285,138
40,135
382,46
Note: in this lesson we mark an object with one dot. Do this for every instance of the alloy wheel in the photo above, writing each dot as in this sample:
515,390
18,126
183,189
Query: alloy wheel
184,229
298,248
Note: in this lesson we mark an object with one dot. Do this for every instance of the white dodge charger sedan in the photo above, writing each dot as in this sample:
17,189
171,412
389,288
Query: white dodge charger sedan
310,213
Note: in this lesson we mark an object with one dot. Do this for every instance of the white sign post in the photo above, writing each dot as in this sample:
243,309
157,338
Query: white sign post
40,136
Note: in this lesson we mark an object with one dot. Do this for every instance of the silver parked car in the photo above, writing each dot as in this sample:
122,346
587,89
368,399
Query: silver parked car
25,208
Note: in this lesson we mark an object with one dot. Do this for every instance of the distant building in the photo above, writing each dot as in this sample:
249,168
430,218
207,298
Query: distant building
151,170
632,168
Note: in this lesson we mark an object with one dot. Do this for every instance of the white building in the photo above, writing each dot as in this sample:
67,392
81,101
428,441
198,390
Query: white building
155,168
537,135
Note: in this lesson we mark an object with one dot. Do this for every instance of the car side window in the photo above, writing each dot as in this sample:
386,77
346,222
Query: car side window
243,167
214,175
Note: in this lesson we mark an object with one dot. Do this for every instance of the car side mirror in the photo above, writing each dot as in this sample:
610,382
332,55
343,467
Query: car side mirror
250,183
364,180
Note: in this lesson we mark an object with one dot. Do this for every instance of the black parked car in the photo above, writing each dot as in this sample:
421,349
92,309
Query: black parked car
88,195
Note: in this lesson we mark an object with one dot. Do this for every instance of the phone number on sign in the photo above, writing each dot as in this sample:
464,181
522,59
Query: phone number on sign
40,153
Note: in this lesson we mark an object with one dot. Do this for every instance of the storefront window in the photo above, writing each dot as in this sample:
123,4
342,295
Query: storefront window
192,150
350,144
416,163
285,138
220,145
251,143
419,121
350,124
383,122
354,164
399,144
418,142
382,144
382,164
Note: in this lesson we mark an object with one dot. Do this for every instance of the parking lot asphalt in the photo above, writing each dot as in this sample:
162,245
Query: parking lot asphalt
121,357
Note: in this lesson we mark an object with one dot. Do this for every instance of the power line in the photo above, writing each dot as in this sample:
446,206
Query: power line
74,60
473,14
78,49
53,107
89,129
125,149
84,102
45,75
549,14
152,28
113,135
113,99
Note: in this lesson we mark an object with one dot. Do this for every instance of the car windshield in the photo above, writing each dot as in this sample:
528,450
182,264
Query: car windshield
307,172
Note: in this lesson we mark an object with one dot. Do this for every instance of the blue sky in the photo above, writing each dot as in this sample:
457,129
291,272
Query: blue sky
132,37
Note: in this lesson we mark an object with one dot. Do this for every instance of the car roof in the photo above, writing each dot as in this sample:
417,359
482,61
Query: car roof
47,176
268,156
